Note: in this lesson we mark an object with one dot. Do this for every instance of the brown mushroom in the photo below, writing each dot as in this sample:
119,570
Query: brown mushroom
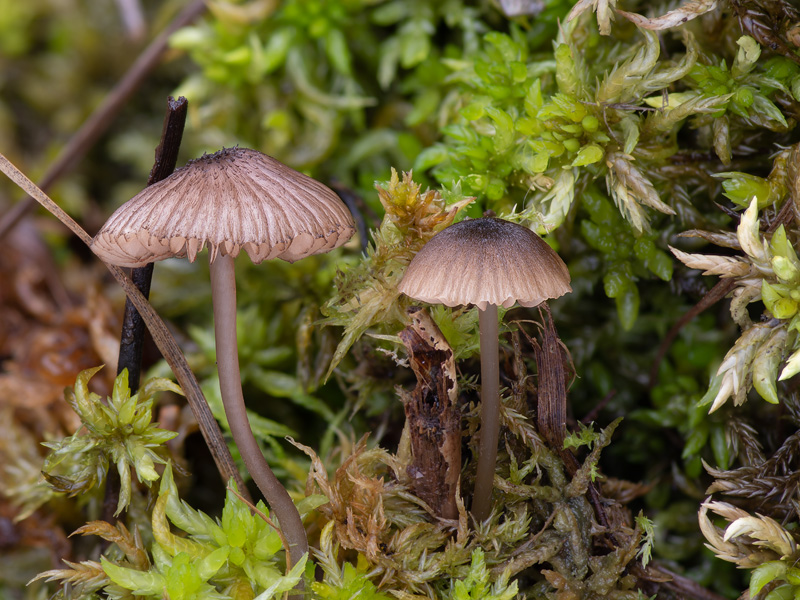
489,263
236,199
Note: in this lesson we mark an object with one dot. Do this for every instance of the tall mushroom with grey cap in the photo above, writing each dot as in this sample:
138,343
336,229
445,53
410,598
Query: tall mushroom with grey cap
489,263
236,199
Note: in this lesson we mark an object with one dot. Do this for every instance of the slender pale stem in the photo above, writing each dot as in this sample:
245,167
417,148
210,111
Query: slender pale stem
223,294
490,412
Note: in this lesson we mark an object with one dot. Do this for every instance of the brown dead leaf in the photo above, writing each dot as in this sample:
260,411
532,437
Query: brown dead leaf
38,405
40,530
46,339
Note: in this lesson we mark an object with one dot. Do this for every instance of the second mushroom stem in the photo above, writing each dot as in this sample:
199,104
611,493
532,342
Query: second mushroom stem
490,412
223,295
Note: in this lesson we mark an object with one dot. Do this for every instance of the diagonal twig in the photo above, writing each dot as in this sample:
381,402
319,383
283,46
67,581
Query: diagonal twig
161,336
101,118
130,12
133,326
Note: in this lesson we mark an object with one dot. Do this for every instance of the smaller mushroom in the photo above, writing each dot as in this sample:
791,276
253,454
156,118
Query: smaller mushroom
489,263
236,199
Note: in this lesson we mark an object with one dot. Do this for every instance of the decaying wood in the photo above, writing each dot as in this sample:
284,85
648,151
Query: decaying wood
432,414
552,359
551,408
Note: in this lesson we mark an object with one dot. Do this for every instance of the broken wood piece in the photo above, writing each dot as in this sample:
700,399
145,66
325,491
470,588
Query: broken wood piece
432,414
551,358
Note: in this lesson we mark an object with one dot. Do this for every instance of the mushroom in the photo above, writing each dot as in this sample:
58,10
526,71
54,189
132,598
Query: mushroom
489,263
236,199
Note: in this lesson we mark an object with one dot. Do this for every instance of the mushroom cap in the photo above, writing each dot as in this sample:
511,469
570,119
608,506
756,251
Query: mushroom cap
486,261
231,200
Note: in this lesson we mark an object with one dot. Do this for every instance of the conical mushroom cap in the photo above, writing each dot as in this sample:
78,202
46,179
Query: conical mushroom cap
234,199
486,261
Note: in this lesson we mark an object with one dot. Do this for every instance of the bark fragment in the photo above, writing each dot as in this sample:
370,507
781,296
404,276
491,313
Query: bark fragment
551,358
432,414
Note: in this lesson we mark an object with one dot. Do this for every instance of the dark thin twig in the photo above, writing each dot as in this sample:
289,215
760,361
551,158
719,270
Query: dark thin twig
681,586
80,143
354,204
595,412
133,326
714,295
130,348
131,340
111,498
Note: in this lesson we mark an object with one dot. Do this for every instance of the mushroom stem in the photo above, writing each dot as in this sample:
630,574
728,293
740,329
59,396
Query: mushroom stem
490,412
223,295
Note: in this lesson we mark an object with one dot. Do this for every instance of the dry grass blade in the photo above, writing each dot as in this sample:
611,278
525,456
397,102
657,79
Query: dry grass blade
80,143
725,239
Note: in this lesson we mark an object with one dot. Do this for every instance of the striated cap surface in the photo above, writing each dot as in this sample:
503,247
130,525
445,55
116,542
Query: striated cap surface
486,261
233,200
